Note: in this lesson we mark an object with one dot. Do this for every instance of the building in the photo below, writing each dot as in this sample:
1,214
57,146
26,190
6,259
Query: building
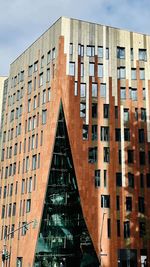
2,101
75,165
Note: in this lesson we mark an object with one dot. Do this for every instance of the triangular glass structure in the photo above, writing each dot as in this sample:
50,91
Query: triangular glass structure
63,240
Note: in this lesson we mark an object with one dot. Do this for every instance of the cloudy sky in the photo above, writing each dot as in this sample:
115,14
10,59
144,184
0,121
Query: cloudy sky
23,21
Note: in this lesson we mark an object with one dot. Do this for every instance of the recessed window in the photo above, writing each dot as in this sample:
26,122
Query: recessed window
121,52
94,110
105,201
143,54
82,69
122,93
97,178
131,54
133,93
83,90
143,114
103,89
75,88
106,111
106,154
44,113
121,72
126,229
130,156
71,49
48,75
148,180
30,70
81,50
141,204
142,157
82,109
48,56
141,135
100,51
104,133
126,114
72,68
85,132
92,158
94,132
142,229
91,69
128,203
100,70
126,134
118,134
28,205
94,89
131,180
118,228
142,74
133,74
119,179
41,79
90,51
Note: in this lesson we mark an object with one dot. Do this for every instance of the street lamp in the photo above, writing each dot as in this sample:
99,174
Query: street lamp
5,252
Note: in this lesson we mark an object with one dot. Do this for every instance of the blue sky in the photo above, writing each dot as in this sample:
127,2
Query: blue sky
23,21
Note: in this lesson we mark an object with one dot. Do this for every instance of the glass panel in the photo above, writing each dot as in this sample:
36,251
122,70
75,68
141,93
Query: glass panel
63,239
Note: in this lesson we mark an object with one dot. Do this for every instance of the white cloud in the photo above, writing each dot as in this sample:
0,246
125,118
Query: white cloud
22,21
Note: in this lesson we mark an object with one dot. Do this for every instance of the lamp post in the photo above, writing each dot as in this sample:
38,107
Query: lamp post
5,252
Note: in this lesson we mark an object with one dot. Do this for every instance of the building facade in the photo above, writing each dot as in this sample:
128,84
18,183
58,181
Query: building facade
75,163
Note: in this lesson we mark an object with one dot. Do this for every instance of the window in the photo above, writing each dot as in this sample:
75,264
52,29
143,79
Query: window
36,66
29,87
108,228
105,178
136,114
133,93
44,97
118,202
142,54
94,110
142,74
141,180
118,134
94,132
14,209
92,157
107,53
72,68
121,52
19,262
81,50
27,163
71,49
116,112
29,124
90,51
48,75
105,201
126,229
82,70
3,212
91,69
53,53
28,205
30,70
35,102
42,61
128,203
122,93
100,51
29,105
141,204
34,162
44,113
121,73
24,228
100,70
142,157
23,186
143,114
82,109
131,54
48,56
103,89
104,133
148,180
22,76
119,156
126,114
106,154
119,179
130,156
118,228
97,178
85,132
30,185
126,134
75,88
144,93
34,123
133,74
41,79
131,180
142,229
83,90
94,89
141,135
106,111
49,94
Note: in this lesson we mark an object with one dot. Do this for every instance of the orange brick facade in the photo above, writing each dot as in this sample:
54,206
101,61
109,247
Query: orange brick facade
98,219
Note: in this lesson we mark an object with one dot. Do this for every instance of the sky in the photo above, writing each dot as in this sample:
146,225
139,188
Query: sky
23,21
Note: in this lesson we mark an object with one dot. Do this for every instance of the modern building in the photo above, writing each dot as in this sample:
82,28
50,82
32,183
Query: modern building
75,165
2,101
